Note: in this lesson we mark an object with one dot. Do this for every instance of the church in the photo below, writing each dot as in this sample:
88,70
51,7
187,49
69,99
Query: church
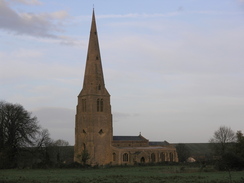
94,125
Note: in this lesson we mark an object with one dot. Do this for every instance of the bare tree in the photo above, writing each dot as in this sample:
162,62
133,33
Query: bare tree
43,139
222,139
61,142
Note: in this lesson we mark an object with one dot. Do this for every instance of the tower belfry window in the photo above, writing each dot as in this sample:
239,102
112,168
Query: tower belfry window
99,105
96,57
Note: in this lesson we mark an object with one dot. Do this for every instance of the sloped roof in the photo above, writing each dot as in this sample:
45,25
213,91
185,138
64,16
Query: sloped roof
145,148
129,138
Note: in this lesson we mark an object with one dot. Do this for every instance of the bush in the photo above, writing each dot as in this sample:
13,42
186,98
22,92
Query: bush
230,161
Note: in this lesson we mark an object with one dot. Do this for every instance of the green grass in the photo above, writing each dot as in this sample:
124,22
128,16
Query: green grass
142,174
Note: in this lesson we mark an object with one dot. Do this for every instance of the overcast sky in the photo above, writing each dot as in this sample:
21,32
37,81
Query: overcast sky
174,68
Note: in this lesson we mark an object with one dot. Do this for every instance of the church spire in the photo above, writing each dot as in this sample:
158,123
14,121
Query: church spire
93,121
93,74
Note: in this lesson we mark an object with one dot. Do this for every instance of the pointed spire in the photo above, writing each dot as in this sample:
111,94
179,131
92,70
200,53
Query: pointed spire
93,74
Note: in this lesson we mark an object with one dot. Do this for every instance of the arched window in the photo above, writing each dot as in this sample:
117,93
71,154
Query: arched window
162,156
125,157
142,160
171,157
152,157
114,157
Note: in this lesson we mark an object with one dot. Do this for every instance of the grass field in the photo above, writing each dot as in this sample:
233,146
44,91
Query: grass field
140,174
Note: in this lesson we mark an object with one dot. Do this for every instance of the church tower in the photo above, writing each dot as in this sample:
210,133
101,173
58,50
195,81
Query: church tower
93,125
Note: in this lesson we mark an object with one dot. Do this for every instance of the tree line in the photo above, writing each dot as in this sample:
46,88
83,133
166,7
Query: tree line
228,147
226,150
23,142
21,137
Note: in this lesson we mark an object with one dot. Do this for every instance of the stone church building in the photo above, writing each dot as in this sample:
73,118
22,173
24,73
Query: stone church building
94,125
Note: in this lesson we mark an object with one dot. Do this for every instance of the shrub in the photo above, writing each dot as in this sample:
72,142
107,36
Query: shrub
230,161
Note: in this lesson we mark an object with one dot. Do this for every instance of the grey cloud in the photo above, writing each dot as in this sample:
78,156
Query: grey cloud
44,25
25,23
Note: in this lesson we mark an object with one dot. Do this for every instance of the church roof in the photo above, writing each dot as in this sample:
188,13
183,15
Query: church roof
145,148
129,138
